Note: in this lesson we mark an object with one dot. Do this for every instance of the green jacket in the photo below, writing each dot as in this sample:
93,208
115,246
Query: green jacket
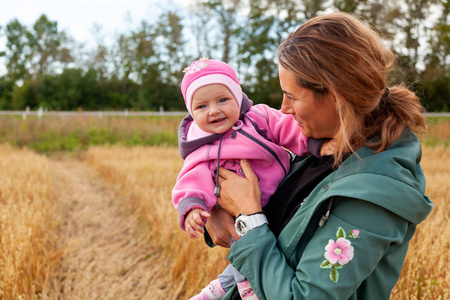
377,202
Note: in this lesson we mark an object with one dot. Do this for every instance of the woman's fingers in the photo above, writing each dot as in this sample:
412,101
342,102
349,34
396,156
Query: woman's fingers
228,206
247,169
239,194
226,174
220,227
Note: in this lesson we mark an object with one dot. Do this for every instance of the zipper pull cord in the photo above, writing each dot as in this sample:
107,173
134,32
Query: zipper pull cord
325,217
236,127
216,188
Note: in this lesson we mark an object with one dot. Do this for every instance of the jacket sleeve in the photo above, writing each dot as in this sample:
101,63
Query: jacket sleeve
285,130
194,189
334,263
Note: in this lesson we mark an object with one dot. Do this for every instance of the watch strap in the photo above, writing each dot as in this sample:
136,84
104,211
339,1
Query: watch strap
256,220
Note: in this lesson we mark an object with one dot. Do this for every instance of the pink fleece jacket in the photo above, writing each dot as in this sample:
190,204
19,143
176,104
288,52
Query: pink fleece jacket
260,137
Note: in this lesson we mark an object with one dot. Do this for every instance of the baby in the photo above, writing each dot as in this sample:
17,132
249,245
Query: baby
222,128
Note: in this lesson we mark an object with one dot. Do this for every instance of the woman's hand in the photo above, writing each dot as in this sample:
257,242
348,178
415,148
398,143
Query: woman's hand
220,227
239,194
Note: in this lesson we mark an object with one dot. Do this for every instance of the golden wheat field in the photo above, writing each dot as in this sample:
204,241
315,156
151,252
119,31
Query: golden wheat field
28,223
30,218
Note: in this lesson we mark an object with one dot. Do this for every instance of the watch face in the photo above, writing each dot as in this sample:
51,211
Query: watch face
241,227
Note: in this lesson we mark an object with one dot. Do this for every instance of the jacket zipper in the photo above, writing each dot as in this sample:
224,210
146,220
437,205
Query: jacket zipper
264,146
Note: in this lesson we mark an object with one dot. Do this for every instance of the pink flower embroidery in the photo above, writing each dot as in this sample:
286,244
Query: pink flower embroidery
340,251
196,66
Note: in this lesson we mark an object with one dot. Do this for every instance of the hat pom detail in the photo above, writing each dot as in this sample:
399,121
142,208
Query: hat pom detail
196,66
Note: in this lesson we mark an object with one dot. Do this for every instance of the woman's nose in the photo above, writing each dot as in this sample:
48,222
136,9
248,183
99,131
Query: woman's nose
285,107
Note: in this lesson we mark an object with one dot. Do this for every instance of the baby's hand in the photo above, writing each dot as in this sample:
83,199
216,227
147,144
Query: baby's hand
194,222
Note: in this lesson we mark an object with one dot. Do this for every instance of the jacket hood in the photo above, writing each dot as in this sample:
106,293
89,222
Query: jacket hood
186,147
392,179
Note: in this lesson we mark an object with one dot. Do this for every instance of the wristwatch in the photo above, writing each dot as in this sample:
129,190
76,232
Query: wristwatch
245,223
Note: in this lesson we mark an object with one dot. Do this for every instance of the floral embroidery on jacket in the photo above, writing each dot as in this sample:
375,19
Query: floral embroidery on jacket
339,253
196,66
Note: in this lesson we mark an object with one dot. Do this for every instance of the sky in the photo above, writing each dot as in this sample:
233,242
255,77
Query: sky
77,17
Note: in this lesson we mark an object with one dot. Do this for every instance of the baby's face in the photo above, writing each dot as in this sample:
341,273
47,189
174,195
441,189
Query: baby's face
214,108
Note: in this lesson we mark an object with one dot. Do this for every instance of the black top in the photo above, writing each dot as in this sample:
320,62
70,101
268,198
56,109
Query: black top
294,189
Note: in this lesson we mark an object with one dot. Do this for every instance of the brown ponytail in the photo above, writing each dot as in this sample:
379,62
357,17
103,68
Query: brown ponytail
400,110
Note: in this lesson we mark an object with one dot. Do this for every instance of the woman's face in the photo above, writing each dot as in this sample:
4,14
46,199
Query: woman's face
317,120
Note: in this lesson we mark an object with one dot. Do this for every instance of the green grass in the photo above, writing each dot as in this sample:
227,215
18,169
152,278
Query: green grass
55,134
438,132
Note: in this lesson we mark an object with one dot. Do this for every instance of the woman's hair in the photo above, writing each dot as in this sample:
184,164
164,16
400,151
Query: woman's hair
338,54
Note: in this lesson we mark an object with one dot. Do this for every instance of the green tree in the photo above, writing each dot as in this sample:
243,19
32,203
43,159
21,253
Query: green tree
99,62
435,79
145,56
170,47
260,37
122,56
411,27
47,44
6,88
198,22
17,50
226,24
349,6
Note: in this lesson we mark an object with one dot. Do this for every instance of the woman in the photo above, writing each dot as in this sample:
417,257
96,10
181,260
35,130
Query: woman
339,225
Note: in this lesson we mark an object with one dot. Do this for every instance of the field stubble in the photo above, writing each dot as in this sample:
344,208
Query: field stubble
425,274
148,175
30,219
28,223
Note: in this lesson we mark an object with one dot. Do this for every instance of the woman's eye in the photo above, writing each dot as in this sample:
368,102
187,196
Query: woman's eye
290,98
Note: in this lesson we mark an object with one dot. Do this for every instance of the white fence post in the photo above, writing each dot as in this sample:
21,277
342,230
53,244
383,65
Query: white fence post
40,112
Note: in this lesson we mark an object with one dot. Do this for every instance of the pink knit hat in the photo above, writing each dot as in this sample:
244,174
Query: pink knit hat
205,72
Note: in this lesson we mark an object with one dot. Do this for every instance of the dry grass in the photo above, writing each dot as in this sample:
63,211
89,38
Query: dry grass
27,223
425,274
147,176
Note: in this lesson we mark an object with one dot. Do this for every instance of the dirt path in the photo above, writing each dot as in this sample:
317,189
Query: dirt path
106,253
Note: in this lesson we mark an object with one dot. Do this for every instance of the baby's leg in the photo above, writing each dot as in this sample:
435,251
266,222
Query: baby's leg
226,279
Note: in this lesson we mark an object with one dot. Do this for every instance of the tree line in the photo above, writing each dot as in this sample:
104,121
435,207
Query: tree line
142,68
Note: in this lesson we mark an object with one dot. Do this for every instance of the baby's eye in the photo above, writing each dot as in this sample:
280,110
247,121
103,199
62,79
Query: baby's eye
201,106
223,100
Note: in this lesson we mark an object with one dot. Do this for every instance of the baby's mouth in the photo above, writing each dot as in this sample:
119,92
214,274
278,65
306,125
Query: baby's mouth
218,120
